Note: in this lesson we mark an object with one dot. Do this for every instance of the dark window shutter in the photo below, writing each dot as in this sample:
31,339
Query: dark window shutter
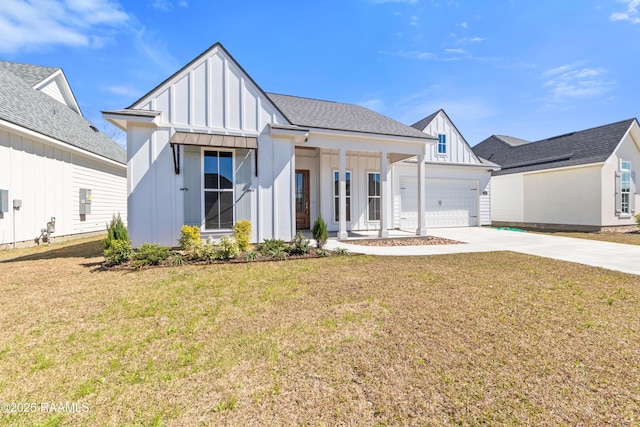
618,193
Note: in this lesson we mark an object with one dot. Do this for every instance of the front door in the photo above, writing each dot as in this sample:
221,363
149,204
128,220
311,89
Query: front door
303,216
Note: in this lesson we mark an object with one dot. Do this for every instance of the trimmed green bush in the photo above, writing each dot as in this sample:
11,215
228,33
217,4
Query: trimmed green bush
319,232
151,254
227,248
270,245
115,231
118,252
242,234
638,219
190,239
300,245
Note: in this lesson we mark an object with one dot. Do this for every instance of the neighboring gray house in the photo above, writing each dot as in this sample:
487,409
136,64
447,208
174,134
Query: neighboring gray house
50,155
583,180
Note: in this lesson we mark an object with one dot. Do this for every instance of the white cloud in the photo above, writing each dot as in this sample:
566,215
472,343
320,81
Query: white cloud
457,51
123,90
464,25
373,104
630,14
37,24
167,5
414,21
569,82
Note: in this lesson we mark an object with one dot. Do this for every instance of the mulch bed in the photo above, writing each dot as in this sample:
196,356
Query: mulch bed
404,241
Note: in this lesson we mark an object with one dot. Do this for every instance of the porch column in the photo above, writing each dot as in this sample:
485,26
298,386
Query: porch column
384,195
421,230
342,210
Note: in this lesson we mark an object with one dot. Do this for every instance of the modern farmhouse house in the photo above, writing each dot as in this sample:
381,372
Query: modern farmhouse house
55,166
209,147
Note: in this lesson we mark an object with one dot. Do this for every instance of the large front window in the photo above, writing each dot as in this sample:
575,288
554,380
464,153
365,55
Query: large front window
218,190
373,201
336,195
625,187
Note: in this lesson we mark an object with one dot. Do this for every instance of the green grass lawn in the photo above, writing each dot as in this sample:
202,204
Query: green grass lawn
487,338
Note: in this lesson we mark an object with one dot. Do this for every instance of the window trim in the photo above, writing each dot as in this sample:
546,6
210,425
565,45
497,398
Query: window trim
379,196
628,193
442,142
203,189
336,197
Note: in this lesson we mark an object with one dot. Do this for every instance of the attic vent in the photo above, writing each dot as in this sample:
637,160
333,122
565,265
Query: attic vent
93,128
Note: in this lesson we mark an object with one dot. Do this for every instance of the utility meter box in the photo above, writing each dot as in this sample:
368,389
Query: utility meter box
17,204
4,200
85,201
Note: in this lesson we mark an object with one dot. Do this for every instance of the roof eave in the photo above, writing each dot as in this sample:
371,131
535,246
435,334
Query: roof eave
120,118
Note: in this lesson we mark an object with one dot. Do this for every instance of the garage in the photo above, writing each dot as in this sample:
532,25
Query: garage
449,203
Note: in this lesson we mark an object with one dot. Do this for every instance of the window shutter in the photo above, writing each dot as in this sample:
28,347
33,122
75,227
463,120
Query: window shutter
632,195
618,193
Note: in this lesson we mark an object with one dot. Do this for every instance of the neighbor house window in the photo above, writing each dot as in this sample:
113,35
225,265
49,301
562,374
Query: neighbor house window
336,195
442,144
218,190
625,187
373,198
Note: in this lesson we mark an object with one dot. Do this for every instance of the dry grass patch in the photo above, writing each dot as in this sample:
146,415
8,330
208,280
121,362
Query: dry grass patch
629,238
470,339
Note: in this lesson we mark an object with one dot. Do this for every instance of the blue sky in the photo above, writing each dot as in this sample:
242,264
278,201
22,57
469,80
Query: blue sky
529,69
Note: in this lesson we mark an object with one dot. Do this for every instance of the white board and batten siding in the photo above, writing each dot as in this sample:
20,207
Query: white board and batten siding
457,186
210,95
47,178
458,150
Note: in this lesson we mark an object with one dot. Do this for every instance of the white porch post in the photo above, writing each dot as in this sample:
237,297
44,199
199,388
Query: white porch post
384,195
421,230
342,228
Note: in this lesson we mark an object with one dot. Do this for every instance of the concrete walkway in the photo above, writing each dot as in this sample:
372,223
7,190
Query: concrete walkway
613,256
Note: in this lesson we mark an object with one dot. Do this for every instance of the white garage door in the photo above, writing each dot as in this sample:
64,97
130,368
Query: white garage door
449,203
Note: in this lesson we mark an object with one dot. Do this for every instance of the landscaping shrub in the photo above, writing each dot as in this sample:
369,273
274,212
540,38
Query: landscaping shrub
638,219
151,254
271,245
118,252
207,252
242,234
300,245
115,231
278,253
227,248
323,252
190,238
319,232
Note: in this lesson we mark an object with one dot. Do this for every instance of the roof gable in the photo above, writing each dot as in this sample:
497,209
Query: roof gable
22,105
212,77
458,149
594,145
331,115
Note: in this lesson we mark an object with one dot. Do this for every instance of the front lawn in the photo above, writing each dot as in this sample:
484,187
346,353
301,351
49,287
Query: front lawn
469,339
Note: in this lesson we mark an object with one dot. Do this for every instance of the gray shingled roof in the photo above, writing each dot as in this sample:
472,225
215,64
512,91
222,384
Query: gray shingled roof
31,74
422,124
21,105
593,145
337,116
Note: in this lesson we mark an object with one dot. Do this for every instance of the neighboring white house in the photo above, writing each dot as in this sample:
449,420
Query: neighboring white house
208,147
583,180
457,181
50,156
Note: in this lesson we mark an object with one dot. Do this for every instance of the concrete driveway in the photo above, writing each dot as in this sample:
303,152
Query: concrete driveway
613,256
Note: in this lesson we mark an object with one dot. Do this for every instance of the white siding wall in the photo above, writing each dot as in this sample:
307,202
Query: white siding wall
53,90
507,198
569,196
458,151
212,95
47,179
